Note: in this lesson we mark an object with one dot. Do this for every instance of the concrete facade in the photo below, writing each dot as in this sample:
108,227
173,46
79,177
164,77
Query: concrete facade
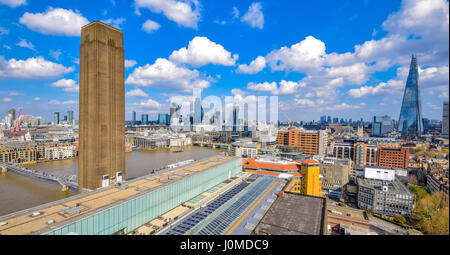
102,106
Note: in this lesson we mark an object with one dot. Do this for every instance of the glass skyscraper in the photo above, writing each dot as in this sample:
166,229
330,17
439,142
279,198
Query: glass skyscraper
410,120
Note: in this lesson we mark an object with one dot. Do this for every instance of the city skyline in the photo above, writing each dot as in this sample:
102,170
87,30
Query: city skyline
355,66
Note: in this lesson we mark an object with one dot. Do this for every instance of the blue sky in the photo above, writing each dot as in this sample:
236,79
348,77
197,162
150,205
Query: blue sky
341,58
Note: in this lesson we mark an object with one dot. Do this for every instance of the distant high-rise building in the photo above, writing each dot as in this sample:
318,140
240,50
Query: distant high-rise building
197,111
410,120
39,121
329,120
11,116
102,107
56,118
163,118
70,117
382,125
445,119
144,119
235,117
323,119
134,117
174,108
335,120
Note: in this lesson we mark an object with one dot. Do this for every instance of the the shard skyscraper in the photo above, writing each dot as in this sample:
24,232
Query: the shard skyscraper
410,120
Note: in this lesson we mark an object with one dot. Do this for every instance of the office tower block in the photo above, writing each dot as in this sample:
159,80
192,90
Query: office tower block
445,119
410,120
134,117
235,118
70,116
102,107
163,118
56,118
197,111
11,116
381,125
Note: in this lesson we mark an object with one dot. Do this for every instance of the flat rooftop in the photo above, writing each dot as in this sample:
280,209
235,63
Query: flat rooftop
294,214
393,186
50,216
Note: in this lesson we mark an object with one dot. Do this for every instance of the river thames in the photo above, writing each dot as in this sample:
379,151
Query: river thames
19,192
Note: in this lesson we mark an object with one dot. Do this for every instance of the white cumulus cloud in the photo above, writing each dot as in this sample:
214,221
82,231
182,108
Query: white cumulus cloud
67,102
302,57
149,26
166,74
13,3
265,86
136,93
68,85
130,63
184,13
201,51
254,16
255,66
55,21
149,103
24,44
31,68
114,22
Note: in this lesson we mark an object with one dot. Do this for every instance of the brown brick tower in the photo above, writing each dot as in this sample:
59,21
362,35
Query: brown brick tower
102,107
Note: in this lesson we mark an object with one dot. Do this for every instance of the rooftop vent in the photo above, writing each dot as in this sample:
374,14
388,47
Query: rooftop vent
34,214
73,210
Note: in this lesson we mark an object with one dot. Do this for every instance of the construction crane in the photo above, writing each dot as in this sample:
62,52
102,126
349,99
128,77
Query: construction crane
18,123
290,121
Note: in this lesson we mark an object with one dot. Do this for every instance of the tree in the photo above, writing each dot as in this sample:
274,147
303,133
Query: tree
431,214
418,191
400,219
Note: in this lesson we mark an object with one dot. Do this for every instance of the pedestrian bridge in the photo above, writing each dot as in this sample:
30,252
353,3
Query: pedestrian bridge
64,181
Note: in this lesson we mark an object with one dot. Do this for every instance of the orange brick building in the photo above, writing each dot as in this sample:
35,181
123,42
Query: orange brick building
309,142
393,157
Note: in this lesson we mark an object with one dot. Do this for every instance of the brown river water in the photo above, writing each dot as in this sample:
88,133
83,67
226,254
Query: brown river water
19,192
